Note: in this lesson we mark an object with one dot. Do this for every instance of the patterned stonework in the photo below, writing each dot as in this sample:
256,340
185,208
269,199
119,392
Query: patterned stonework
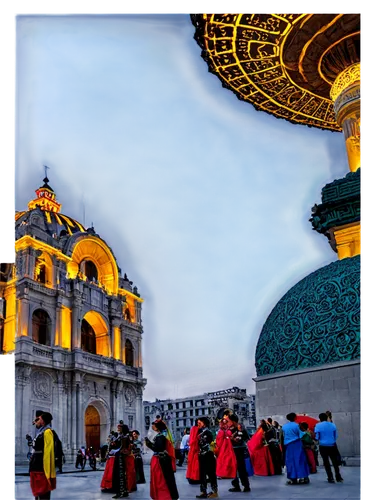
316,322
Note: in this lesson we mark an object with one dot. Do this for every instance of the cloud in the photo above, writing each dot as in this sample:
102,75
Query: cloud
195,382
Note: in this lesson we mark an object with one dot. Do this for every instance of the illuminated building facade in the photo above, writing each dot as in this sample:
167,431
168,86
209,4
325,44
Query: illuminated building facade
305,68
75,325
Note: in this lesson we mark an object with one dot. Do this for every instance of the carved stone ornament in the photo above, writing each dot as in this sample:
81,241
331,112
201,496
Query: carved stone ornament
42,385
37,220
23,375
21,263
129,395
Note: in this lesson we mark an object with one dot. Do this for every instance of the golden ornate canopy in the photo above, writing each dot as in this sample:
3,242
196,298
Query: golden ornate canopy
284,64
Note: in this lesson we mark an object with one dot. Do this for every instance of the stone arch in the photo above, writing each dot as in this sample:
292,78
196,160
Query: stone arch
93,249
101,407
43,270
129,353
95,334
41,327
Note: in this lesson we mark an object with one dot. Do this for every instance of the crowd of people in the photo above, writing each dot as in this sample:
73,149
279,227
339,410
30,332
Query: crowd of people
228,453
124,463
294,446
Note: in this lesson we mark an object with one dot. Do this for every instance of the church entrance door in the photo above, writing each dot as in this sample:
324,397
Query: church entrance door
92,428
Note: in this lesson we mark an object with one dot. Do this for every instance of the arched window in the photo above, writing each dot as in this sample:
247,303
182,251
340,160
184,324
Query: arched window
127,314
88,338
5,271
41,327
42,274
43,269
129,353
88,268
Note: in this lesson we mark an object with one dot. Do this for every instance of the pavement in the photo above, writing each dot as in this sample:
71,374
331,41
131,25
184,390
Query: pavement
85,485
69,468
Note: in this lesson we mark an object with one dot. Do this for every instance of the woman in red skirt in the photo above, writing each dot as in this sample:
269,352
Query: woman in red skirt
162,483
308,445
260,454
114,446
226,463
192,471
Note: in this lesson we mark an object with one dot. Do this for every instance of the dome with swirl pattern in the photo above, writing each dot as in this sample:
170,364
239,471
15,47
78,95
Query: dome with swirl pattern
316,322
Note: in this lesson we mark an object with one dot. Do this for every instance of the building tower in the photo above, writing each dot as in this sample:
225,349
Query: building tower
76,327
305,68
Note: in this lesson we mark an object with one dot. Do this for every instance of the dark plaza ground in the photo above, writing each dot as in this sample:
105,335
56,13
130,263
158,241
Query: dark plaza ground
85,485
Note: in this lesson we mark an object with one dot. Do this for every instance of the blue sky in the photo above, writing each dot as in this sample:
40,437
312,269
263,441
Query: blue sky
204,201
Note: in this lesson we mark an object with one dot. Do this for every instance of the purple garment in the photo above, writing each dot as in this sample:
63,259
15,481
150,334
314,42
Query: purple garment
295,460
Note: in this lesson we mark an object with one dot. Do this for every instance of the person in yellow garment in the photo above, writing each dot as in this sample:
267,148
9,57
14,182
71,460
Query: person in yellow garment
42,462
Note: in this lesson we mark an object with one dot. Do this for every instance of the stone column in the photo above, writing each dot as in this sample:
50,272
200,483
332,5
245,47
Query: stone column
27,265
79,410
69,412
58,330
346,95
20,436
73,420
139,358
138,313
112,386
32,256
76,320
139,420
60,417
23,316
65,411
111,339
123,338
119,412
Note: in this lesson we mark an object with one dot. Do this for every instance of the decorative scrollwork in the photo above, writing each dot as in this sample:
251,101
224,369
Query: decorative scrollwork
345,79
283,64
42,385
129,395
341,203
316,322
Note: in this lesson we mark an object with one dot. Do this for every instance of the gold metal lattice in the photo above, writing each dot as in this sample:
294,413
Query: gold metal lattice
283,64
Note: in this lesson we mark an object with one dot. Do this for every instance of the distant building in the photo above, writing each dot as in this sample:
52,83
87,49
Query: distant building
182,412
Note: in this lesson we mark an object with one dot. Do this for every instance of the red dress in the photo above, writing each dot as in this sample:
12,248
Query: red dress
131,475
107,478
192,471
311,460
260,455
226,463
162,480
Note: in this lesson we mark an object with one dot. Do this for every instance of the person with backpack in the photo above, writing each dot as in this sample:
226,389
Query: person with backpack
59,453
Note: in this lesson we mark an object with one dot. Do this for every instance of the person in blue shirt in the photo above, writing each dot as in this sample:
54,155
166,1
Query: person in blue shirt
326,434
297,468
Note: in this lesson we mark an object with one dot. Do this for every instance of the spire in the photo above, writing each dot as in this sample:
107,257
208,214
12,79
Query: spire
45,197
